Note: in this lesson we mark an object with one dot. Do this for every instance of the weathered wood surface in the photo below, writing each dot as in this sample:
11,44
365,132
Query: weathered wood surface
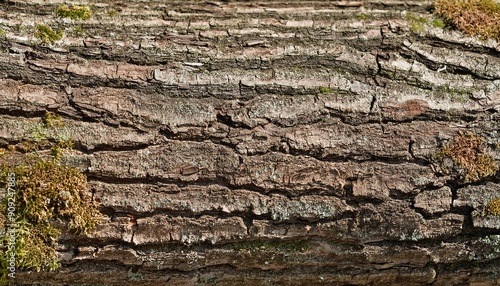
262,142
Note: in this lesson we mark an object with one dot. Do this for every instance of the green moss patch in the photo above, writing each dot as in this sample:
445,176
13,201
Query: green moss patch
438,23
324,89
474,17
50,119
49,190
49,132
469,156
47,35
43,198
74,12
112,13
419,23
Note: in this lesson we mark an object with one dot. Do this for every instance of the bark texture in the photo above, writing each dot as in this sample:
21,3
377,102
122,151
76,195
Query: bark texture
262,142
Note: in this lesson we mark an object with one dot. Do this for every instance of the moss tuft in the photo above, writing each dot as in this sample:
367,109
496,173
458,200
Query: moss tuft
417,23
74,12
438,23
362,17
112,13
50,119
324,89
47,35
493,207
49,190
469,156
78,31
474,17
2,33
58,149
47,196
417,27
46,192
50,128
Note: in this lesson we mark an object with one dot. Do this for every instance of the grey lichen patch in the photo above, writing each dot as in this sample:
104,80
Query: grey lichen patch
453,94
480,220
134,276
477,196
312,208
414,235
490,246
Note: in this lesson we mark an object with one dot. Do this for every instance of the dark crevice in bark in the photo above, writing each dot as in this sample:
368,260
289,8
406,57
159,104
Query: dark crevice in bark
358,158
450,68
402,196
466,238
111,148
220,181
23,113
227,120
440,43
247,216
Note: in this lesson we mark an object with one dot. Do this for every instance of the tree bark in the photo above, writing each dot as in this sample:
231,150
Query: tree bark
262,142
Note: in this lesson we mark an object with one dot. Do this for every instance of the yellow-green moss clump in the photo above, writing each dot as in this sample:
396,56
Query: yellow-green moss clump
112,13
49,190
417,23
47,35
324,89
74,12
493,207
469,155
474,17
50,119
42,198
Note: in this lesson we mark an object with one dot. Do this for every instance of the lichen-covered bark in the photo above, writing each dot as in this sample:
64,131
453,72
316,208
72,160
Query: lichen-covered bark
262,142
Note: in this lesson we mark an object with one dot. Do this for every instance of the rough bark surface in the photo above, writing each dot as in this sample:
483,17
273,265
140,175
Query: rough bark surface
262,142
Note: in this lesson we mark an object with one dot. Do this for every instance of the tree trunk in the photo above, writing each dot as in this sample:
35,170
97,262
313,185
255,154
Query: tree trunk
262,142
